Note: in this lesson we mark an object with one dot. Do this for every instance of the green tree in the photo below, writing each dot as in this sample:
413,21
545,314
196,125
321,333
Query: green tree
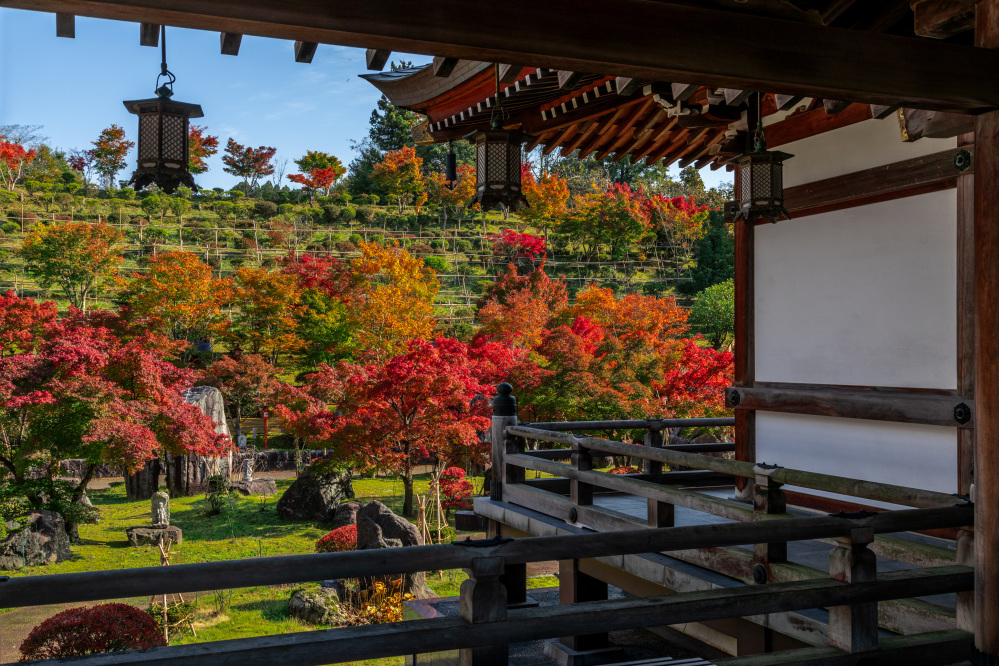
714,256
713,313
150,205
76,257
109,153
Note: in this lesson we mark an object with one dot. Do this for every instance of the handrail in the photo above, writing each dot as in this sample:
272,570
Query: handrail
872,490
149,581
638,424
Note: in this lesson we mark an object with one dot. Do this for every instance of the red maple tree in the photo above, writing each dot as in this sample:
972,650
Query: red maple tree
200,146
248,163
13,158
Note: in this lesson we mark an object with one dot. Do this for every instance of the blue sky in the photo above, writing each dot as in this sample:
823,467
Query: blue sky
75,87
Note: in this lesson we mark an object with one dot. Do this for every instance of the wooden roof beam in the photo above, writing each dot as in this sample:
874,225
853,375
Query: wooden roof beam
444,66
376,59
660,41
657,142
588,130
304,51
683,91
832,106
568,80
642,134
66,26
149,34
626,129
785,102
535,142
229,43
626,86
881,111
942,19
552,145
736,97
509,73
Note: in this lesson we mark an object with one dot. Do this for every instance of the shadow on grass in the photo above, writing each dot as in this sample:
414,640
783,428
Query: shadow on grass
274,610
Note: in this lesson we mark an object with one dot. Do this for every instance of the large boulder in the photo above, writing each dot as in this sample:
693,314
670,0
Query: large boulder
42,540
260,486
315,496
378,527
188,475
313,604
151,536
346,514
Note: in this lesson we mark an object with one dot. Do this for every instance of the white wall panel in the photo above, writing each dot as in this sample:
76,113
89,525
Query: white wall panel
863,296
918,456
853,148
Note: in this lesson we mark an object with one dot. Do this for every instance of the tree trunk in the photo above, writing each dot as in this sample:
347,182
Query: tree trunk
143,483
407,484
72,527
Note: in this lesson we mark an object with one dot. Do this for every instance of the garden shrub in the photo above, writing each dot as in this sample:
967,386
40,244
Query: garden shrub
464,246
340,199
625,469
11,227
265,209
437,244
438,264
355,239
366,214
345,247
348,214
456,490
82,631
420,250
338,540
331,214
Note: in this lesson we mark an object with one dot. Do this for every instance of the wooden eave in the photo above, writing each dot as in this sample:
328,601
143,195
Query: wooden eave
842,57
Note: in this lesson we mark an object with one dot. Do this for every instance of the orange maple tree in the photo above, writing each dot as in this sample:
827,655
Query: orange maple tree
451,199
400,173
179,296
547,199
265,320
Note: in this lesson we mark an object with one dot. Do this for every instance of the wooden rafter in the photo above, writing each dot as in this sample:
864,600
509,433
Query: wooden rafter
552,145
66,26
509,73
659,42
444,66
376,59
626,86
149,34
642,134
591,127
657,142
229,43
304,51
625,129
569,80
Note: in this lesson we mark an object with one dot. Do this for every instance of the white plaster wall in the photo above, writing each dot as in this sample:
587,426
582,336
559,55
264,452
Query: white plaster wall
853,148
905,454
863,296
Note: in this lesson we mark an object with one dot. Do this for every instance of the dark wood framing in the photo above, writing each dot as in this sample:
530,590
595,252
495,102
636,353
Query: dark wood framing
882,183
745,334
965,313
899,406
658,42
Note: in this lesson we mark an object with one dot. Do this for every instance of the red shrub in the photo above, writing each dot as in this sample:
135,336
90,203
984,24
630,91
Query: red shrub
82,631
624,469
342,538
456,492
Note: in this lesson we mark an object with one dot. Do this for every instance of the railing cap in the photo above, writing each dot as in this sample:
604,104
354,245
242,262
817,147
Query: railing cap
504,404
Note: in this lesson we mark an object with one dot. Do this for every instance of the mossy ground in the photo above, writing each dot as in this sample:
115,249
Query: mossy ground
250,529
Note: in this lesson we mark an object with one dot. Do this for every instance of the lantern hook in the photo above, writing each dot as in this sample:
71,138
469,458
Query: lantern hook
166,90
759,139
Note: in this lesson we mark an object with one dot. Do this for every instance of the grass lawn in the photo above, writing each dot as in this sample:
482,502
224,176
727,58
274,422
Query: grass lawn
251,529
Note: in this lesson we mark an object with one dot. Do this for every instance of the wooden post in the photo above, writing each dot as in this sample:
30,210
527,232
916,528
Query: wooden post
986,473
854,628
504,414
660,514
483,599
745,348
768,499
581,494
514,579
966,600
584,650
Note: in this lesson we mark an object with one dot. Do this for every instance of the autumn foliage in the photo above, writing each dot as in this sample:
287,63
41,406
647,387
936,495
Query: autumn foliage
399,173
82,631
13,158
200,145
248,163
338,540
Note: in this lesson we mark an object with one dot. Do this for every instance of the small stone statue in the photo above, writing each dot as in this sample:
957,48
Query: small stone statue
160,509
241,441
247,469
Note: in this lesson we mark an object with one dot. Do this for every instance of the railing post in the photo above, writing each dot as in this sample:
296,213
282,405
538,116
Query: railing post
574,586
966,600
504,414
580,493
660,514
483,599
768,498
854,628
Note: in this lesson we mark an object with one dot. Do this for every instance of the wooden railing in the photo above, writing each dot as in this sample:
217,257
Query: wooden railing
486,626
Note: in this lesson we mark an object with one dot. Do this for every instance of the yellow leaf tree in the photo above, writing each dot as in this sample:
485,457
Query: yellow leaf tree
393,301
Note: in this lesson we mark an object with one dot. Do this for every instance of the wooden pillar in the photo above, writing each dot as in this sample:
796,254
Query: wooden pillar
660,514
745,301
854,628
986,473
965,315
574,587
514,579
504,414
483,599
768,499
966,600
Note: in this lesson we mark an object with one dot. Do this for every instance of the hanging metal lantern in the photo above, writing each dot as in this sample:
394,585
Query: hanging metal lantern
761,174
451,167
497,162
163,126
497,168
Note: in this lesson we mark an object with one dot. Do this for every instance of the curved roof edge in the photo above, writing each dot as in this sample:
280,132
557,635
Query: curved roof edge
413,87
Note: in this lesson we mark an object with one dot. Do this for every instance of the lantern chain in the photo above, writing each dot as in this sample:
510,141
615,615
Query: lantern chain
166,90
